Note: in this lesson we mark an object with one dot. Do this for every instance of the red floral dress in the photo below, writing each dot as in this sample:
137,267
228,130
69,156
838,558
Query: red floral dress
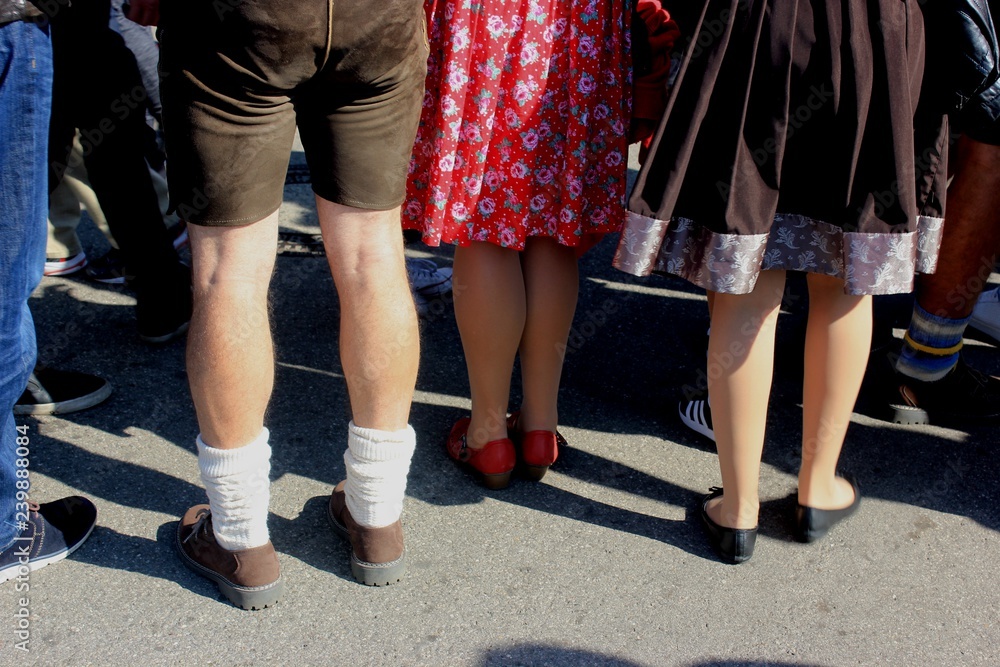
524,124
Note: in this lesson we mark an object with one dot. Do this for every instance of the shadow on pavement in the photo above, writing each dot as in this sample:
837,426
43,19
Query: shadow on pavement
157,559
538,655
637,341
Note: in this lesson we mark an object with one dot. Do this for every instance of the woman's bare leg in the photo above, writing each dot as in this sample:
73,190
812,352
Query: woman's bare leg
740,366
490,311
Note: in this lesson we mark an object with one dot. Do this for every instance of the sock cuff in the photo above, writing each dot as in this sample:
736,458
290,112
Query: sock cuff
216,462
373,445
934,331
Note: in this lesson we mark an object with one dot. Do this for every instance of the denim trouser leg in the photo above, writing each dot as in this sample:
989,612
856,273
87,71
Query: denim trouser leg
25,94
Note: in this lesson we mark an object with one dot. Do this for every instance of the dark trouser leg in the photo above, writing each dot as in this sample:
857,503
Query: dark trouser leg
98,89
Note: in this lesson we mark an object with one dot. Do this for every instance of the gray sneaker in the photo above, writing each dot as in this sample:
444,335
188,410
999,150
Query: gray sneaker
55,392
49,533
427,279
986,314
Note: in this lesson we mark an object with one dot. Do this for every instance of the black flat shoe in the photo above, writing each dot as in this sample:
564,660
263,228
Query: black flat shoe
734,545
811,524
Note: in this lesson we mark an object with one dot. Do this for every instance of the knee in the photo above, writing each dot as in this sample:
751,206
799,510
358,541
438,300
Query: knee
237,261
244,284
367,265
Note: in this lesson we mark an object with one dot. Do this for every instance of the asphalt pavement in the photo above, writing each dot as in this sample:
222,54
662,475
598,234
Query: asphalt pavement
602,563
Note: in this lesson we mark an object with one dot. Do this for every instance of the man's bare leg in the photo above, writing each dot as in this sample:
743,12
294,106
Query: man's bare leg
230,362
379,350
379,341
230,357
934,386
971,237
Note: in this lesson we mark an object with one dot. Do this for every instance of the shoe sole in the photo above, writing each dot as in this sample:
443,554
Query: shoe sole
119,280
907,415
66,269
250,598
370,574
13,571
66,407
987,332
534,473
166,338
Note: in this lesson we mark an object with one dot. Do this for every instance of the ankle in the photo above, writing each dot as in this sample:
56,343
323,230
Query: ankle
377,463
735,513
484,429
536,420
238,488
828,493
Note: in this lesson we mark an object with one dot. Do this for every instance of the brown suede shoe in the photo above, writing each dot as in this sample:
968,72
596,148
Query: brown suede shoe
377,554
250,578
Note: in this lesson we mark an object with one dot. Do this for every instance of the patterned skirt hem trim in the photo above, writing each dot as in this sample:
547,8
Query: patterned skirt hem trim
879,263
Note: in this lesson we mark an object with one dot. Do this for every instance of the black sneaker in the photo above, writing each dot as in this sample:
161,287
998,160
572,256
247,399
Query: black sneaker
51,532
108,268
963,396
163,310
55,392
696,414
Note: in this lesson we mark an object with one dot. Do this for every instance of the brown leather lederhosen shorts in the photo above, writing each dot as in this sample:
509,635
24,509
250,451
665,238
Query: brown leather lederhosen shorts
238,76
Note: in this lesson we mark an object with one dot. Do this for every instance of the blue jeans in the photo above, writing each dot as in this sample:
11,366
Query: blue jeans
25,95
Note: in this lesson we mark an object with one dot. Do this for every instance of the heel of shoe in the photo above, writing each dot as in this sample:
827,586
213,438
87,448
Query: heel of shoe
539,450
535,473
733,545
803,530
812,524
742,546
496,482
378,574
252,599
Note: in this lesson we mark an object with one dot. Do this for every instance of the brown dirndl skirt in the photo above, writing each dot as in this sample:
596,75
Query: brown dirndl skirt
788,143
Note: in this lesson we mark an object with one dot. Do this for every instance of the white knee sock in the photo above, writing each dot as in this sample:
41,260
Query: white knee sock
377,464
238,491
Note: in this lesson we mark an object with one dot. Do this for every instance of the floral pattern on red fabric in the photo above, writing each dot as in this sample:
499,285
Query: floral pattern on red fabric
524,124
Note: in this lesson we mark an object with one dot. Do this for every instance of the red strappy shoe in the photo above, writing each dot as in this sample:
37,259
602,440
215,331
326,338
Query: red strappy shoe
537,450
493,463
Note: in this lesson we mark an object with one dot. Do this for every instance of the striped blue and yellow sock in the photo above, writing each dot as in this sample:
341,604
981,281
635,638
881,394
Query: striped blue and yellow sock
931,345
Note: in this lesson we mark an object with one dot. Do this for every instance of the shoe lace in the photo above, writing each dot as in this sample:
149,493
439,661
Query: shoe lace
199,525
977,381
